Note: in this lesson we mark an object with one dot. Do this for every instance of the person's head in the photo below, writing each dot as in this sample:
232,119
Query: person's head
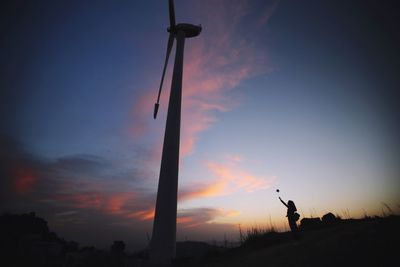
291,204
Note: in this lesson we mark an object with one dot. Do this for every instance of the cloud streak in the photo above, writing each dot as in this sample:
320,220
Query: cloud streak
228,178
215,63
189,218
80,183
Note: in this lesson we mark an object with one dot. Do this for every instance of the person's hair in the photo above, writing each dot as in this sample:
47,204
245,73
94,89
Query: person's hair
291,205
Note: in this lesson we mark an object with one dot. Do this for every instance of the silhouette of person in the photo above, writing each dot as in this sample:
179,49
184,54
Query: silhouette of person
291,215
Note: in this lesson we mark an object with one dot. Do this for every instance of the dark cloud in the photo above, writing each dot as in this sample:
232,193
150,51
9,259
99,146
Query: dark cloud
74,193
194,222
80,163
199,215
77,192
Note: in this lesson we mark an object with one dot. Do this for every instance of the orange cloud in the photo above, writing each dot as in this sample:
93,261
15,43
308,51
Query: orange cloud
229,178
116,203
183,220
200,191
232,213
143,215
237,179
199,216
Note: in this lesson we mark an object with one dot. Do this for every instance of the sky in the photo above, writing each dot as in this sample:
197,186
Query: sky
296,95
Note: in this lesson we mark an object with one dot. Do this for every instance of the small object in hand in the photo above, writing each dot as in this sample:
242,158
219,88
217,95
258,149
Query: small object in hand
277,190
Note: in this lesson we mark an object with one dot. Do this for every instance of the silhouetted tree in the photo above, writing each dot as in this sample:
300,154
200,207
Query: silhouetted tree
24,224
72,246
118,247
25,240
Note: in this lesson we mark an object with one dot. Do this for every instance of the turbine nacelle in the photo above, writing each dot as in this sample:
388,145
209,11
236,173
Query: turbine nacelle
190,30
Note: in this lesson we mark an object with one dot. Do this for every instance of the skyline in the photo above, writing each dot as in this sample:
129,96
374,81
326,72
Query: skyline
276,94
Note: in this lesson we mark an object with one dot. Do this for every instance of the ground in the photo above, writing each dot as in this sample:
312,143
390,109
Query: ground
367,242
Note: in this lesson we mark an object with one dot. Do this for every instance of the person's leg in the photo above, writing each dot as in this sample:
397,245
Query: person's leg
293,227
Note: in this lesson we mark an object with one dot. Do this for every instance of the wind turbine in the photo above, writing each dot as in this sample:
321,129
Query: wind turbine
163,241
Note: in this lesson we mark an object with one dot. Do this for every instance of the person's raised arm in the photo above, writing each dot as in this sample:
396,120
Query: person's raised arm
283,202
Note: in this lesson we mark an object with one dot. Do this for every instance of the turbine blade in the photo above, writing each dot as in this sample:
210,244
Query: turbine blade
171,14
156,105
169,47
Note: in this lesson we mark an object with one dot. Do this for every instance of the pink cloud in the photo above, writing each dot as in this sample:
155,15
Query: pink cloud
24,179
111,203
215,63
235,158
85,200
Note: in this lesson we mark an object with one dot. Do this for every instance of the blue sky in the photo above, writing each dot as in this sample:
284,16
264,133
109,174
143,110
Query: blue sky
277,94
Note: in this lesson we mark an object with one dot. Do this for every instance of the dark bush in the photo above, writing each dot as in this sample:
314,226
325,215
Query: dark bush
118,247
329,219
310,223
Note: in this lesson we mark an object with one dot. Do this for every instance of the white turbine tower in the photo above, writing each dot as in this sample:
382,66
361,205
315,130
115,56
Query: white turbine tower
163,240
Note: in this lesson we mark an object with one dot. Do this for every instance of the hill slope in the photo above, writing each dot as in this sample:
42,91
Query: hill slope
368,242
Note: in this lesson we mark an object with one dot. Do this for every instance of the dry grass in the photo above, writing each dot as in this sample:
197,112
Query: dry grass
353,242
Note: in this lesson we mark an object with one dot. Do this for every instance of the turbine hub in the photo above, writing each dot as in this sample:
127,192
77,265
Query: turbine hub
190,30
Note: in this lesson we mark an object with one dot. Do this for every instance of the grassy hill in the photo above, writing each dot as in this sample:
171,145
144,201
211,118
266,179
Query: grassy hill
366,242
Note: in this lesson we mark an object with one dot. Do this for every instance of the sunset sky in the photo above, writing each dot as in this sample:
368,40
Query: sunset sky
297,95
